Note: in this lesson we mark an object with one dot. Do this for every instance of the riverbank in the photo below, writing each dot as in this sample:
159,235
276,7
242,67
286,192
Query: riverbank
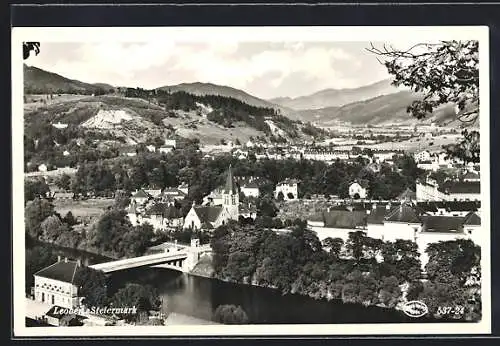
205,269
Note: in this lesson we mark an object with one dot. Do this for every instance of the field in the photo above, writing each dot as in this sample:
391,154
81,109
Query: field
36,101
411,145
90,208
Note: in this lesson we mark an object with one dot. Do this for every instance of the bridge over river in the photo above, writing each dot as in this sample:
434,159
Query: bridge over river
181,258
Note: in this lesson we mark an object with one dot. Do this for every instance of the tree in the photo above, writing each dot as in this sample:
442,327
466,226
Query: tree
64,182
37,188
51,228
70,219
445,72
143,297
122,199
30,46
335,245
34,213
230,314
92,284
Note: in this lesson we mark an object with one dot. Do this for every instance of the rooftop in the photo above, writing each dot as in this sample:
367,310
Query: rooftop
442,224
403,213
61,271
208,213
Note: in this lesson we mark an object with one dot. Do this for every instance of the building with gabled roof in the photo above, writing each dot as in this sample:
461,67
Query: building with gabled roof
358,189
402,222
227,207
55,284
289,189
140,197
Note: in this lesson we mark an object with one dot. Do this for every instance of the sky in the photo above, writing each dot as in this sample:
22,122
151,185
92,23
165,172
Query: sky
263,69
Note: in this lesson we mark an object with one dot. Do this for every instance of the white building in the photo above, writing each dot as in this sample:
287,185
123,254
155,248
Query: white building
422,156
55,285
218,214
289,189
357,190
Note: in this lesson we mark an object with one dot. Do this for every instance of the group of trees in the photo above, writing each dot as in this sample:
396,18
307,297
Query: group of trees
112,234
360,270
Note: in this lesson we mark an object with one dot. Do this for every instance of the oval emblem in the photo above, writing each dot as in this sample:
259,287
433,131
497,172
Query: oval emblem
415,308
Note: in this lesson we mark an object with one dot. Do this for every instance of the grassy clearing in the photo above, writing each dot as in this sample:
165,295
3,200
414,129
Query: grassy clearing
90,208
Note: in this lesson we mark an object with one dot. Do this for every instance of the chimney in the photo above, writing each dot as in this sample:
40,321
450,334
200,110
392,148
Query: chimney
58,258
65,259
79,262
388,206
374,206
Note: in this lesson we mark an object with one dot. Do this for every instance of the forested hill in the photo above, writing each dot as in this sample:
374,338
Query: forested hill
38,81
202,89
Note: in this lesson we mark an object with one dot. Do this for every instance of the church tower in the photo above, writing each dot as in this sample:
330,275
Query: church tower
230,196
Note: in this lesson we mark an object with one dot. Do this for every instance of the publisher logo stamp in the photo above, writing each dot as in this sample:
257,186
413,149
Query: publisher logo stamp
415,308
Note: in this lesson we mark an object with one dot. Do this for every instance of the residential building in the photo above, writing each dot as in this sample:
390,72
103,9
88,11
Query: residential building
55,284
140,197
289,189
358,190
337,223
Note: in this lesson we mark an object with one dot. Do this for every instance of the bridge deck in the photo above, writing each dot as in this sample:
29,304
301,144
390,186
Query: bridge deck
140,261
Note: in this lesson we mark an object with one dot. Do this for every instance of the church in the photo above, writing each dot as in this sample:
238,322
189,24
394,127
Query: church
224,207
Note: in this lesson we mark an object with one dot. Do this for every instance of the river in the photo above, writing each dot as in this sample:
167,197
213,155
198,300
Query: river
199,297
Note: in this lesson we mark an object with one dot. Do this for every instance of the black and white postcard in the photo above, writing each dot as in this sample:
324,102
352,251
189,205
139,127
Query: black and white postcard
212,181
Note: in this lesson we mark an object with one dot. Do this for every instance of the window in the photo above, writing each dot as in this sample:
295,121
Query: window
43,297
53,299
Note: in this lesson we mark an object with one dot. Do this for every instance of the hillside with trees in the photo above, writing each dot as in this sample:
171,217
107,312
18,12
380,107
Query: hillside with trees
38,81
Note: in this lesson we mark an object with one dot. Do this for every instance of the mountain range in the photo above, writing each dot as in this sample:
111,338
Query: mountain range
376,104
337,97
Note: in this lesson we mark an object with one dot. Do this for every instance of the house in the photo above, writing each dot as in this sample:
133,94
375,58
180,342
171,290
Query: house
422,156
438,228
151,148
288,188
401,222
66,153
251,186
428,165
375,221
199,216
155,193
248,211
337,223
60,195
227,207
472,225
171,143
162,216
358,189
184,187
140,197
250,189
59,317
172,194
449,208
42,168
55,285
461,190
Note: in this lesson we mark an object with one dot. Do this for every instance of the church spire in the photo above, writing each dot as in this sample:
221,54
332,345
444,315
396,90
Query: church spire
230,186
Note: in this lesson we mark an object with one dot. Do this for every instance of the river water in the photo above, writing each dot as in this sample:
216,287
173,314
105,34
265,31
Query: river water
199,297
